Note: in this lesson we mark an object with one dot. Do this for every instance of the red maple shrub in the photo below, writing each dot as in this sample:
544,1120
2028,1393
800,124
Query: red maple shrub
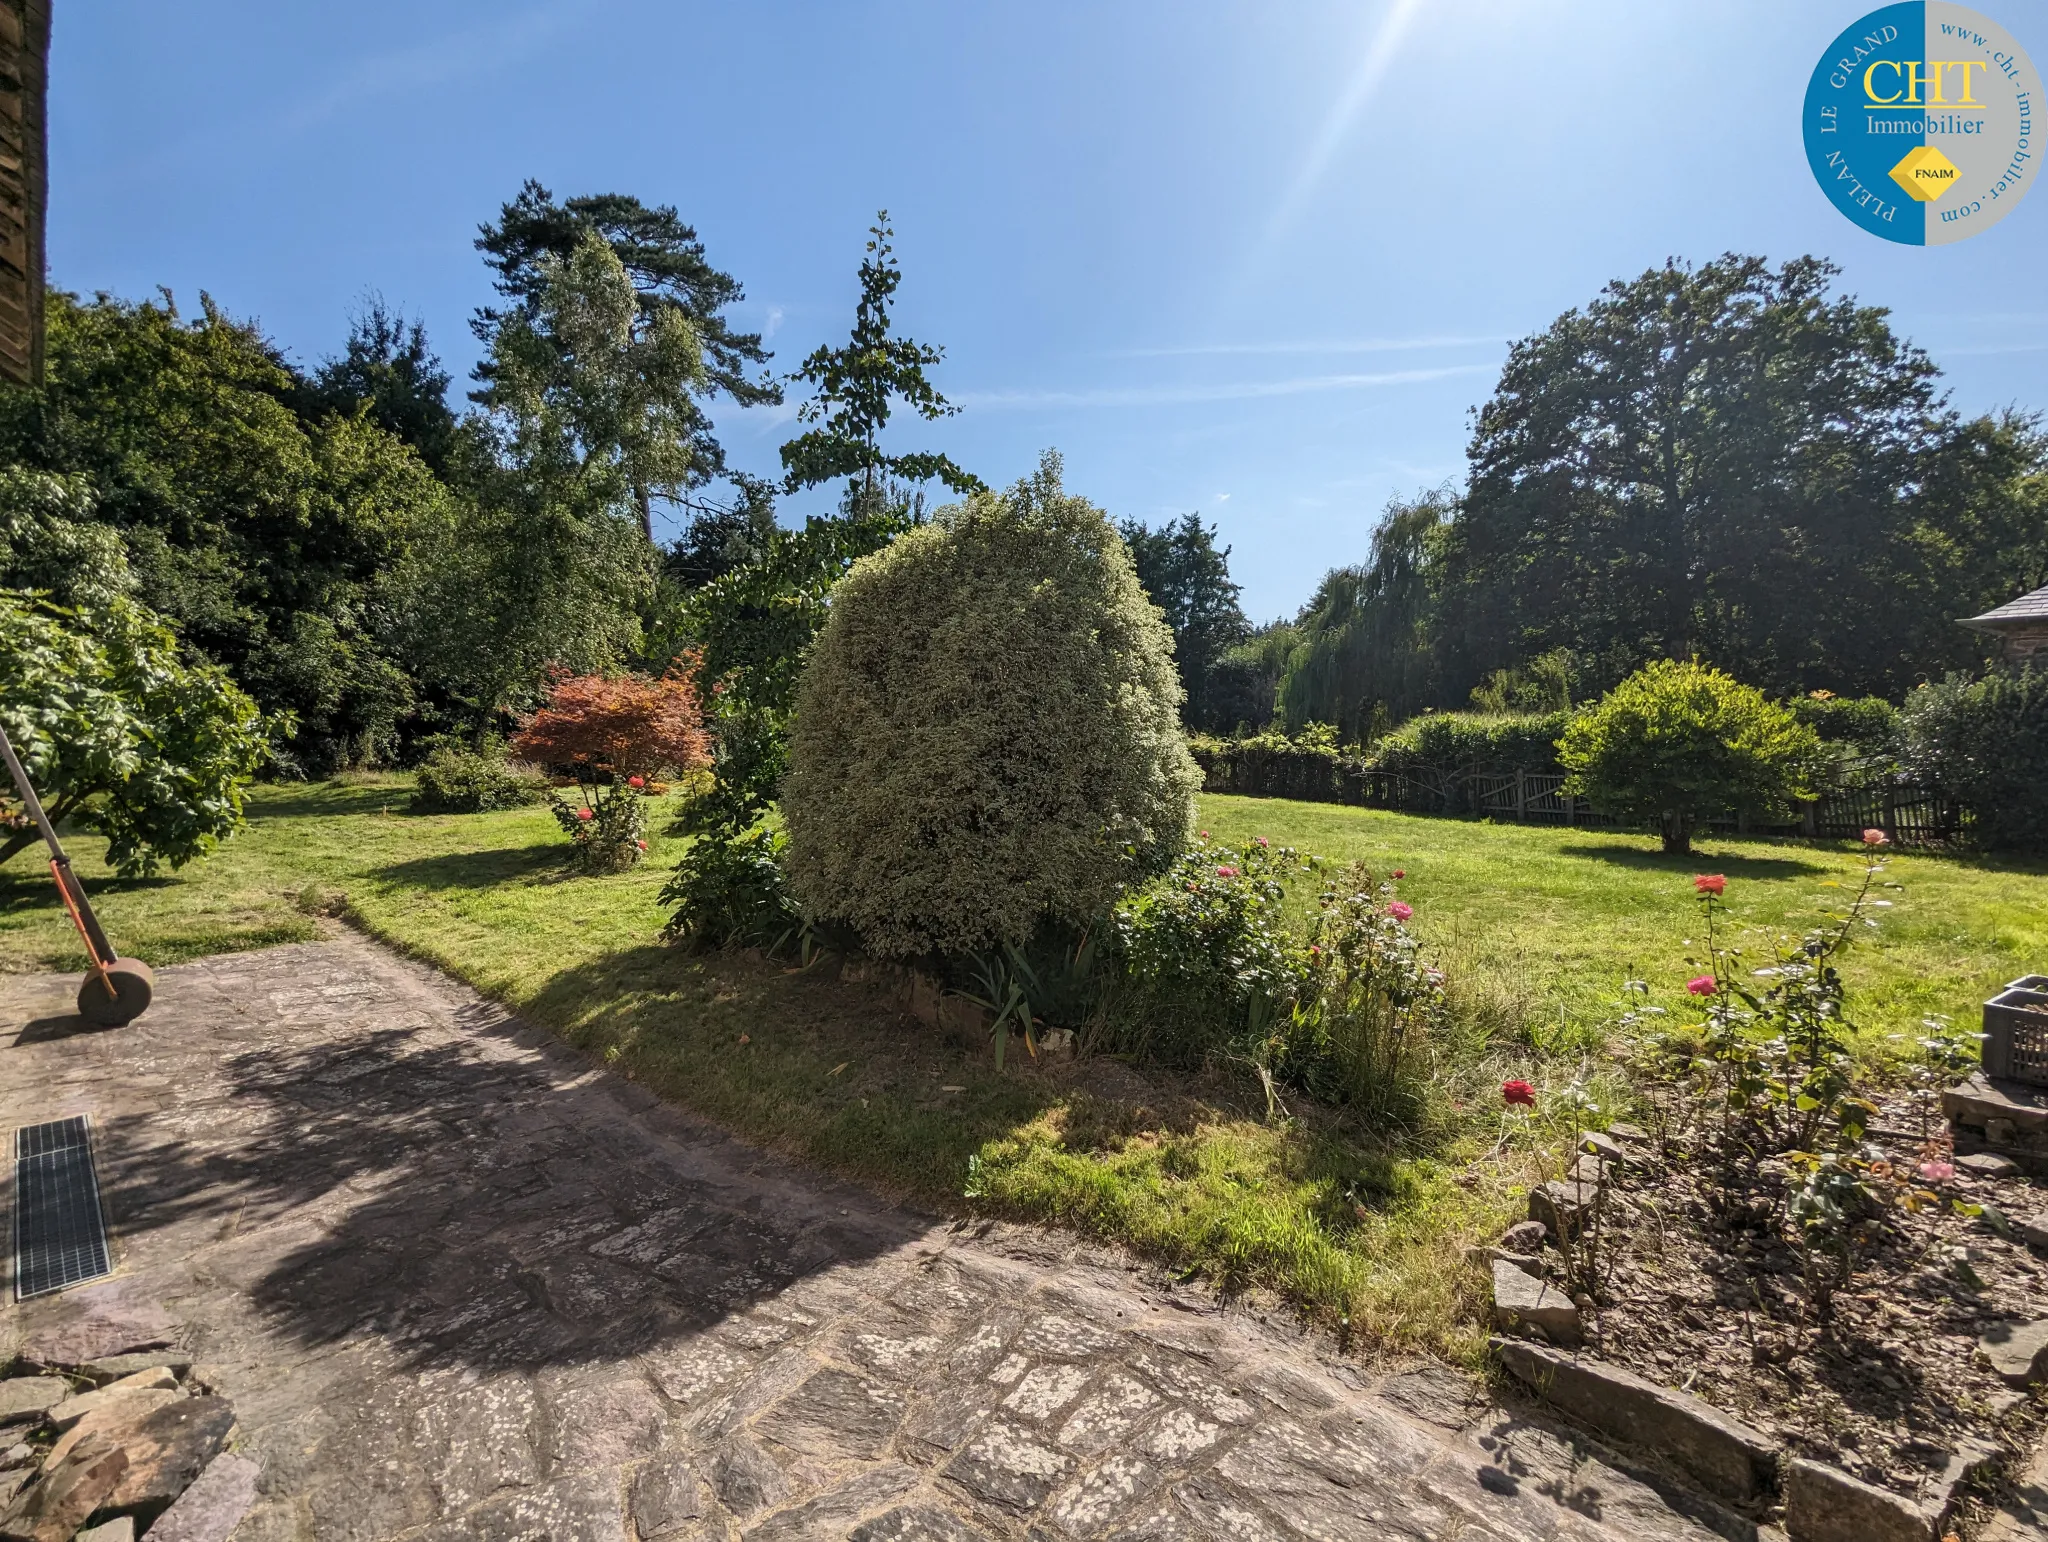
614,734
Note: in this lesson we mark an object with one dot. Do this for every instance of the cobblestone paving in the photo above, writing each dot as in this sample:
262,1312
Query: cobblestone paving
461,1285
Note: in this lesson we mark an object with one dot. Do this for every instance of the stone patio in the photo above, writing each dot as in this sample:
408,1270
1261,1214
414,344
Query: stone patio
460,1284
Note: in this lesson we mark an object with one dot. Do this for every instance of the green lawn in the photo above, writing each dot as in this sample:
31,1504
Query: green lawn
1560,917
1539,925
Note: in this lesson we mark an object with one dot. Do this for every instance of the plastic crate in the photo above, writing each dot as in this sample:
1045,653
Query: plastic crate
2016,1032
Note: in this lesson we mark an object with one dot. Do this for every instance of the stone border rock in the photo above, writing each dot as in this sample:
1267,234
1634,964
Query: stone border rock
1727,1458
919,994
1523,1300
1825,1504
1730,1460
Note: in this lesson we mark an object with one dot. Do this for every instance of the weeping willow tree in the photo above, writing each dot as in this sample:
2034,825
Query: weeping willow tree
1363,655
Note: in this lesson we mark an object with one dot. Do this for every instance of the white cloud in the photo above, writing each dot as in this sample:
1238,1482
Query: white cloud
1365,345
1989,348
774,322
472,51
1250,390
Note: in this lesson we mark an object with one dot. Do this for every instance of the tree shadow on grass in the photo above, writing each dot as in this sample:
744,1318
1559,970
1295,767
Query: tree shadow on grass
322,799
20,891
2018,864
1727,863
478,869
832,1071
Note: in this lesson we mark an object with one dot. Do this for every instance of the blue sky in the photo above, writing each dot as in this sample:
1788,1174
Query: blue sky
1254,260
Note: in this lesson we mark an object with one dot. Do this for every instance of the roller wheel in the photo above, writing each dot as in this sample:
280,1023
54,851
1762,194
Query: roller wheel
132,984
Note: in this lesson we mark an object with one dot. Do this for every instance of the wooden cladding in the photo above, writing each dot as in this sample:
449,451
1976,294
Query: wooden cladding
24,184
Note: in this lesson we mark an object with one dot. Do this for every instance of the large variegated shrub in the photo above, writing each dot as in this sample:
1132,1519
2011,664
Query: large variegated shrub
987,737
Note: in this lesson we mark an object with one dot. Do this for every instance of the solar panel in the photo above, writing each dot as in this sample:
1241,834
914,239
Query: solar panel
60,1237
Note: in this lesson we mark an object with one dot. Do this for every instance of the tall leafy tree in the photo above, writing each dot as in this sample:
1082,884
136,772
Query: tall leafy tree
855,386
1188,577
1244,685
669,272
1731,461
589,395
389,365
280,545
718,540
1365,651
597,391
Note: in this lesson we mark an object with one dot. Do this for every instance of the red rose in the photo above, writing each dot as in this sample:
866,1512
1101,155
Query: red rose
1520,1092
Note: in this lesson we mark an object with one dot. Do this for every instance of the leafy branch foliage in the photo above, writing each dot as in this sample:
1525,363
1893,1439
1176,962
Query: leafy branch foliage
669,273
120,734
856,384
756,625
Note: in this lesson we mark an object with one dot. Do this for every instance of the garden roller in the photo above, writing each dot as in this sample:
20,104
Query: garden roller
116,989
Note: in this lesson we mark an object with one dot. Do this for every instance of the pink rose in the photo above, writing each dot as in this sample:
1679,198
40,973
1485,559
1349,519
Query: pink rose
584,813
1399,911
1710,883
1703,985
1876,838
1226,872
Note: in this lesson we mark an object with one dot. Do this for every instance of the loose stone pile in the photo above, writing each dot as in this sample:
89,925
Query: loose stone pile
105,1436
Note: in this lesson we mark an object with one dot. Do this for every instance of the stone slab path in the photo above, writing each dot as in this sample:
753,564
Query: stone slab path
460,1284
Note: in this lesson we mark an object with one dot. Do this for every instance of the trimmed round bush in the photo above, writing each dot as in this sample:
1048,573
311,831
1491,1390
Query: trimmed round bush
457,780
987,738
1677,743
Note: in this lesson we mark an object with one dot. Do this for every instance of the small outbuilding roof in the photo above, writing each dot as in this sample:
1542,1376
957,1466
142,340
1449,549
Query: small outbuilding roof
2027,609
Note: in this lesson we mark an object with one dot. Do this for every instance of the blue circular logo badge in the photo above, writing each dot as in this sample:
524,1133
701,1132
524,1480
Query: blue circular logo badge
1921,123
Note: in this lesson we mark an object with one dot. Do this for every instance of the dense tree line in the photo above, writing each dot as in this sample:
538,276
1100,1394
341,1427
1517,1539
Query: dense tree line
378,569
1730,462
